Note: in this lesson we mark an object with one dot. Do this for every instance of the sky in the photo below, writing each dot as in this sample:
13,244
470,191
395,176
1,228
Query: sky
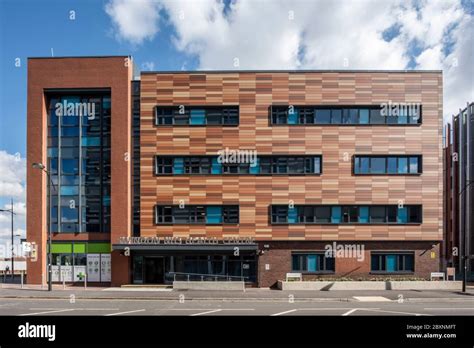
216,34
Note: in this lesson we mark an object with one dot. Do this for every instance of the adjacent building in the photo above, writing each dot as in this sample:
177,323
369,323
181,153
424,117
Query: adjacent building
231,175
459,190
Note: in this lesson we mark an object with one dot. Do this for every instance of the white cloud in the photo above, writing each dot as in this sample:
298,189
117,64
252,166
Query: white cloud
134,20
148,66
12,180
323,34
12,185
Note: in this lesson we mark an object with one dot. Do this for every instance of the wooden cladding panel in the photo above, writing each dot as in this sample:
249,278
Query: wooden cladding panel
254,93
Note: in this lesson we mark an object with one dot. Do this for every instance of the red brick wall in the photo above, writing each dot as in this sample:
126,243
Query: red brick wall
278,256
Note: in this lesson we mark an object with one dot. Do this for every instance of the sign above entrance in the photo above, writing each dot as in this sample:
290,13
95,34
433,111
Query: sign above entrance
186,240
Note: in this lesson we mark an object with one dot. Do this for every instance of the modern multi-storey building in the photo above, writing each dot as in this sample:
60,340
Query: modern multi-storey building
459,190
232,174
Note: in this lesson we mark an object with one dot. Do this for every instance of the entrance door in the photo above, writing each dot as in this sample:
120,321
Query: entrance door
154,270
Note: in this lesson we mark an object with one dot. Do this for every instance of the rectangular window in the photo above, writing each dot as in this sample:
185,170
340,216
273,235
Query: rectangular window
324,115
189,165
381,165
196,115
197,214
392,262
315,262
346,214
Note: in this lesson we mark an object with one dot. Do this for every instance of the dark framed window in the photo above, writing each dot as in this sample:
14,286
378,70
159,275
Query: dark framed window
393,165
266,164
182,115
196,214
314,262
346,214
387,262
340,115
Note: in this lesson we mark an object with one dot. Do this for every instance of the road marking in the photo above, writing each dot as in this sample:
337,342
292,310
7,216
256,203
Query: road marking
76,309
372,299
285,312
395,312
120,313
200,309
449,309
47,312
207,312
350,312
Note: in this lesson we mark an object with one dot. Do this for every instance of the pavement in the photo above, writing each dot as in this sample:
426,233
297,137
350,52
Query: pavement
32,301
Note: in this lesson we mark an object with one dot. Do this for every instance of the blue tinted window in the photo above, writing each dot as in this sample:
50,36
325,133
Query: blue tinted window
402,165
336,116
292,215
69,166
69,190
311,259
68,214
198,116
377,165
335,215
363,214
364,116
356,165
293,116
90,141
178,165
216,167
402,115
414,165
255,167
402,215
364,165
391,263
213,215
317,165
70,131
392,165
323,116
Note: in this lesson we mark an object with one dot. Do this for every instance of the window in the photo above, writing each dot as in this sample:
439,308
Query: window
196,115
289,165
353,214
377,165
164,165
312,263
392,262
197,214
394,165
378,214
279,214
324,115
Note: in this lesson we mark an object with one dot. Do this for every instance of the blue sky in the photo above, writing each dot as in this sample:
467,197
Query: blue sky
213,34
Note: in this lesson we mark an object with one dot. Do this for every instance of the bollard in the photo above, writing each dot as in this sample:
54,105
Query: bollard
21,279
64,280
42,281
85,281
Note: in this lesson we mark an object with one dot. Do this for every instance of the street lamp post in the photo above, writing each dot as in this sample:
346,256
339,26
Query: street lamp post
50,259
12,213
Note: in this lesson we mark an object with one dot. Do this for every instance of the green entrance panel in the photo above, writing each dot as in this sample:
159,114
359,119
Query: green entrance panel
95,248
79,248
61,248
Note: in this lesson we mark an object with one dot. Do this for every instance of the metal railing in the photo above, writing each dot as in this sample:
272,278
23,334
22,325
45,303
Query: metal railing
204,277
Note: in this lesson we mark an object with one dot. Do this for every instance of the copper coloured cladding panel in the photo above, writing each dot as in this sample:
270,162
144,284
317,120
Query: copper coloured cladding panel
254,93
